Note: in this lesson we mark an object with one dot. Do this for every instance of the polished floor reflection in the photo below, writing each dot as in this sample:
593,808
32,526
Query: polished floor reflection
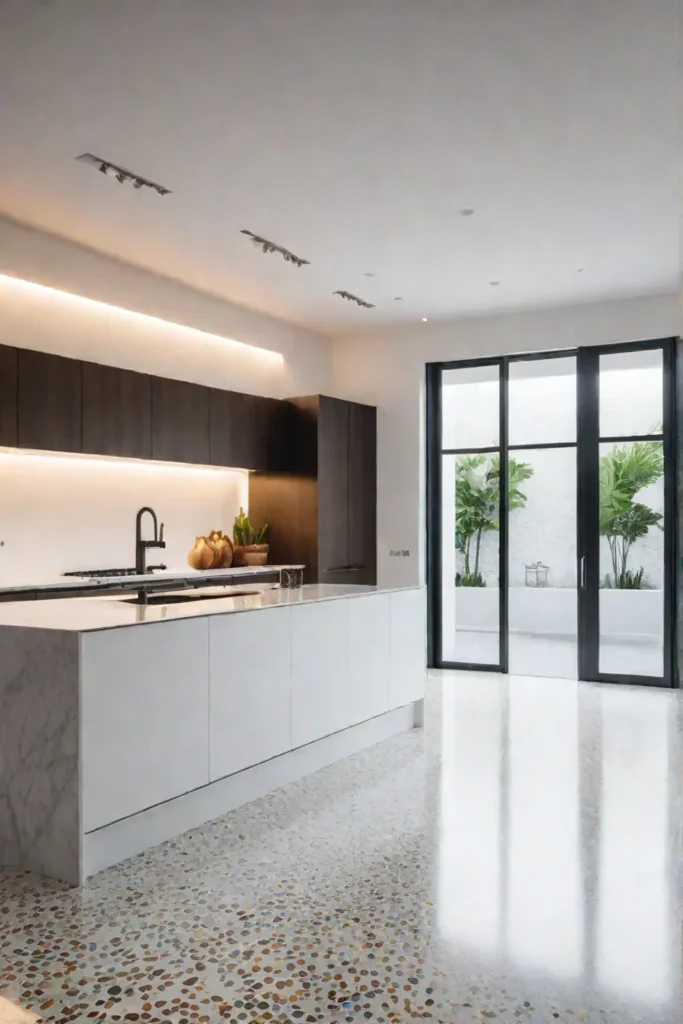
519,859
539,654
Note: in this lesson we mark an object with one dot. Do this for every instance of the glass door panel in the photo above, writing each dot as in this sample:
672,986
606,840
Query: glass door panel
631,393
625,544
542,598
631,611
470,516
542,563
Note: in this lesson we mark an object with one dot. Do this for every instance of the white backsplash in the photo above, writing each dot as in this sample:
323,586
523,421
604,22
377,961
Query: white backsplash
68,512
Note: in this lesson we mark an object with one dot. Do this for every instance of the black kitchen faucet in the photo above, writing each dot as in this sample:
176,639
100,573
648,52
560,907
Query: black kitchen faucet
142,545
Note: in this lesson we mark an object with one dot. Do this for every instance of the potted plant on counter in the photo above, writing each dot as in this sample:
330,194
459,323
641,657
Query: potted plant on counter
250,545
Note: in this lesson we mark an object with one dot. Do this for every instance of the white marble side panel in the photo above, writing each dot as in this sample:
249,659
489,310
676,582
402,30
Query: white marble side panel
40,827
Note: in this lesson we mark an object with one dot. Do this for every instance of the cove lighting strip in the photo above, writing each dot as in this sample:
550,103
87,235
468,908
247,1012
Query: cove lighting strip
121,461
17,284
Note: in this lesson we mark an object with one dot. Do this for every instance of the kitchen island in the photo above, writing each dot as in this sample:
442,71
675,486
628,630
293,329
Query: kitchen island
123,725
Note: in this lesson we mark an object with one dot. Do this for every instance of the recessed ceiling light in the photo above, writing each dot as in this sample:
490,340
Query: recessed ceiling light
467,212
424,319
494,284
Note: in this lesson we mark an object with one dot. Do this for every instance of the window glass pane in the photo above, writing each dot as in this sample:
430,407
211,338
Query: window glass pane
542,401
470,404
632,558
631,393
542,563
469,552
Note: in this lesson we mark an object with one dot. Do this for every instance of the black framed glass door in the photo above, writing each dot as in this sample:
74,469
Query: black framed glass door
627,529
551,513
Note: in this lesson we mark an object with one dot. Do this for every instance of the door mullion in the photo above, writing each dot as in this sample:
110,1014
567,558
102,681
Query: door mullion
503,602
588,512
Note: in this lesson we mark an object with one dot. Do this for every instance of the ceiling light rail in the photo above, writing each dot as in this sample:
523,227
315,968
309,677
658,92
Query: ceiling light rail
121,174
354,298
267,246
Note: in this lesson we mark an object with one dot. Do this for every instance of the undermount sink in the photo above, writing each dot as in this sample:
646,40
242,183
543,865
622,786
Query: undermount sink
182,598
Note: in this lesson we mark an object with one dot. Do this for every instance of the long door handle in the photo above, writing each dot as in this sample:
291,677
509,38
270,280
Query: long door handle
582,573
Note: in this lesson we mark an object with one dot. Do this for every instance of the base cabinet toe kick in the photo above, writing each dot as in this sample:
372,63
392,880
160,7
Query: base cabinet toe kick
114,740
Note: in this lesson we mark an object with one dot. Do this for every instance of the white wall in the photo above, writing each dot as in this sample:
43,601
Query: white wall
64,513
387,368
52,324
59,512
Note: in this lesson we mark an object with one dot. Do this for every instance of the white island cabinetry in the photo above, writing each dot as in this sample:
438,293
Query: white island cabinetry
166,723
249,689
144,715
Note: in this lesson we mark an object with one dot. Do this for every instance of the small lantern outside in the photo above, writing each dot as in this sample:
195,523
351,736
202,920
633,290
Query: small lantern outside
537,575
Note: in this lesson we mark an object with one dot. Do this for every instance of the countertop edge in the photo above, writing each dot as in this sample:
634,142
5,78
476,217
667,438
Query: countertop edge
296,599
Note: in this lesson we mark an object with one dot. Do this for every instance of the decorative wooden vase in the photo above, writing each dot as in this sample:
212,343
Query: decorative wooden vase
212,552
250,554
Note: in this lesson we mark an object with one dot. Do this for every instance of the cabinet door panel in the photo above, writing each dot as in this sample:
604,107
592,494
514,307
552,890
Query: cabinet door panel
117,412
363,491
8,396
180,421
320,639
245,430
49,402
333,484
408,647
249,689
369,657
144,717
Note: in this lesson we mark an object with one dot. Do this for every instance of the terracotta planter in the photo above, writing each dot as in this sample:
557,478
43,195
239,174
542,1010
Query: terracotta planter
250,554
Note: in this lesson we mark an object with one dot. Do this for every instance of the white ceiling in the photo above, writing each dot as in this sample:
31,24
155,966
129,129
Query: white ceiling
353,132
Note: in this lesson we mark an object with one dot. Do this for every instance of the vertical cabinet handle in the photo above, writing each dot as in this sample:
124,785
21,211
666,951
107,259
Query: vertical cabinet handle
582,573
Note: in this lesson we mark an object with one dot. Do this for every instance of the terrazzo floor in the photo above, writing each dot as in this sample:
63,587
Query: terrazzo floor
517,860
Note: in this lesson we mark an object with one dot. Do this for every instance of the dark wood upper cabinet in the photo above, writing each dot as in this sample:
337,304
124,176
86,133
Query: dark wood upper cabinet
180,421
52,403
247,431
49,402
117,412
8,396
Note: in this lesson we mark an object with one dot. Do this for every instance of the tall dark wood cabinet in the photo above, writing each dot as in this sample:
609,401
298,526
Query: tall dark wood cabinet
180,421
117,412
8,396
324,513
49,402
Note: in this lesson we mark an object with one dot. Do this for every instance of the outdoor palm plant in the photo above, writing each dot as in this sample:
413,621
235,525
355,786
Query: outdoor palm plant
624,471
477,501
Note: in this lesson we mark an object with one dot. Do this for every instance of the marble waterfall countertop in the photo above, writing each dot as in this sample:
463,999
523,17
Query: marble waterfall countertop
85,614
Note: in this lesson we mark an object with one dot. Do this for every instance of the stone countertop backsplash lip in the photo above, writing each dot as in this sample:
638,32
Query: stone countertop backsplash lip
89,614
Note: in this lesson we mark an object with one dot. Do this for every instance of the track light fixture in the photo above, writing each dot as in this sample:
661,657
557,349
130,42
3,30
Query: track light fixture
120,173
354,298
267,247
